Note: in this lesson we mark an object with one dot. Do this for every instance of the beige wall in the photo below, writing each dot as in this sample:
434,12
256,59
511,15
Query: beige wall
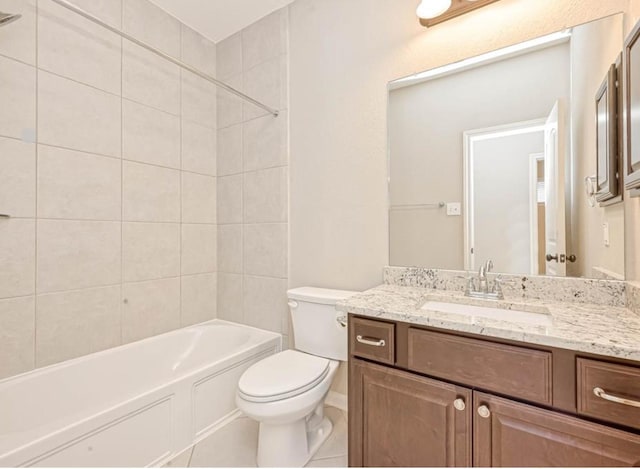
113,231
253,177
343,54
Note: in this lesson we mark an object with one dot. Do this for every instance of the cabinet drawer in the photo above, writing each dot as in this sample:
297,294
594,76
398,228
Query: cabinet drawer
516,371
374,340
609,392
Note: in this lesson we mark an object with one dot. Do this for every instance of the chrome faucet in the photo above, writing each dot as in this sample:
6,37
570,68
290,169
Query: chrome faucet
481,287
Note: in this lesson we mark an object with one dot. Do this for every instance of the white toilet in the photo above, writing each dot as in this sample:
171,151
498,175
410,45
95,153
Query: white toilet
285,392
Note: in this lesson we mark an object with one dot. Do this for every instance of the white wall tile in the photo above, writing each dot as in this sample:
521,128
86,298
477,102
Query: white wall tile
199,297
74,47
72,324
199,249
230,199
198,148
150,193
230,297
149,135
76,185
150,308
265,303
17,257
17,178
18,98
151,24
77,116
198,51
77,254
150,251
265,250
230,248
229,106
199,99
229,56
198,198
265,195
265,39
19,40
265,142
229,153
17,335
150,79
266,83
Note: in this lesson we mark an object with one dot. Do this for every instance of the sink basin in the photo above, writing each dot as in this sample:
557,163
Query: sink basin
501,314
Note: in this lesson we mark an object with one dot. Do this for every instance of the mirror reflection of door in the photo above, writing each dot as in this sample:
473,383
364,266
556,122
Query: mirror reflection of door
554,179
503,221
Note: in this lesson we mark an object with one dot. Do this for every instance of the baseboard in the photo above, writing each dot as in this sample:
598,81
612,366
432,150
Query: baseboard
338,400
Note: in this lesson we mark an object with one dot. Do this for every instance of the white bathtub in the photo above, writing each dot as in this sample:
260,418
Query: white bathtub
135,405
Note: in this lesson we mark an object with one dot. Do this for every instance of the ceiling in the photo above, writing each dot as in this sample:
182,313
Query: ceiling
219,19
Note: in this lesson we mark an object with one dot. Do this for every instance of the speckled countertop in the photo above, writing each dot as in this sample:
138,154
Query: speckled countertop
604,330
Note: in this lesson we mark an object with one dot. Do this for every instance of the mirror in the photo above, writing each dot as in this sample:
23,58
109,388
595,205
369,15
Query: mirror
489,159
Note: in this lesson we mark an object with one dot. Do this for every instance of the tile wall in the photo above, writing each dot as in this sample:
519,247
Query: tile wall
253,177
108,170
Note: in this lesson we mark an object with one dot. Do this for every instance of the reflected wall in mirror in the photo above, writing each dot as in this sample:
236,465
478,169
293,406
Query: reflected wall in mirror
488,159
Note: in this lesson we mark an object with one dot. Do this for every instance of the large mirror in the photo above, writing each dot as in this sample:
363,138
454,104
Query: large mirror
490,159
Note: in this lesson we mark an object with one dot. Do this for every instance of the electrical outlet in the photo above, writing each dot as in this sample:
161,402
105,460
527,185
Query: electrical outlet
605,233
454,209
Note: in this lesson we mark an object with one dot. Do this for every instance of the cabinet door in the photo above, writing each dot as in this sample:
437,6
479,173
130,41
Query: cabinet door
510,434
400,419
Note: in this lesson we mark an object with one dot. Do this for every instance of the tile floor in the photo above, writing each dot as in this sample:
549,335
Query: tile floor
235,445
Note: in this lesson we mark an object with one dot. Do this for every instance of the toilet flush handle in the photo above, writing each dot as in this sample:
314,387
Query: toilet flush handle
292,304
342,320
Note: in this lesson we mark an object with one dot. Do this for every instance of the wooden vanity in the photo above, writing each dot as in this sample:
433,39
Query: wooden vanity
420,396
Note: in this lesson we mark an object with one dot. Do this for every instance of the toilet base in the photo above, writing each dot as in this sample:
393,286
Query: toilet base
292,444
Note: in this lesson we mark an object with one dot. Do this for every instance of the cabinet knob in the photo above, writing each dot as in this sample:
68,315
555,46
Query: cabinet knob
484,412
459,404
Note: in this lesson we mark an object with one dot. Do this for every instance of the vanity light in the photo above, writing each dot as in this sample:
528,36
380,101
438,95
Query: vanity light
433,12
429,9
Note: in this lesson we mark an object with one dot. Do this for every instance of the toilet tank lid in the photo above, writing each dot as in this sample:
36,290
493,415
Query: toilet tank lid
322,296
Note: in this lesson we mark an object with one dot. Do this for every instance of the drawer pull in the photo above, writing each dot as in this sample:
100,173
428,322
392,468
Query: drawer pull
484,412
459,404
371,341
618,400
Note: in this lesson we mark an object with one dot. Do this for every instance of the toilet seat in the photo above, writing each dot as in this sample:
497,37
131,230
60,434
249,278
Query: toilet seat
281,376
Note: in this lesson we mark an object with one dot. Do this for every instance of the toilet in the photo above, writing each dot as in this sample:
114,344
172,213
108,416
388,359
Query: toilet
285,392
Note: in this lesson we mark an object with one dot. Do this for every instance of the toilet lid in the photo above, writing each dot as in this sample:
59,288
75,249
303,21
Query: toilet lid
283,375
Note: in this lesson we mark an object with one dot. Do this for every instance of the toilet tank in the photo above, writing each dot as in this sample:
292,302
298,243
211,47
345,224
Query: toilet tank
318,328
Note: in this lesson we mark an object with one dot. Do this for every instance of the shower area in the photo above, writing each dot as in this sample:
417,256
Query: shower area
144,178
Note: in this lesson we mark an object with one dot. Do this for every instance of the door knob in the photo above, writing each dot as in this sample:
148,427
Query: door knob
459,404
552,258
484,412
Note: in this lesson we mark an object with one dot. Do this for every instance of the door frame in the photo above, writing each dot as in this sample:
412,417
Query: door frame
534,158
469,137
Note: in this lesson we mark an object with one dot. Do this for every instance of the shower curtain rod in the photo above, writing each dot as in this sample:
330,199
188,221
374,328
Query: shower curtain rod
179,63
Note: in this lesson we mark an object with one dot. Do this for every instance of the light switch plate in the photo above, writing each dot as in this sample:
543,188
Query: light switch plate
605,233
454,209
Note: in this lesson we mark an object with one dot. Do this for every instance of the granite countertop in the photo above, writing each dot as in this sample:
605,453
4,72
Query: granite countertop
603,330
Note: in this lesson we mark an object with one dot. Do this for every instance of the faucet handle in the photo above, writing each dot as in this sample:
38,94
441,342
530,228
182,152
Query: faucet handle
500,281
471,285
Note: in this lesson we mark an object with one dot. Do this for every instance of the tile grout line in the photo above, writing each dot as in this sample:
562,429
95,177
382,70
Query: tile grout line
37,157
122,298
181,319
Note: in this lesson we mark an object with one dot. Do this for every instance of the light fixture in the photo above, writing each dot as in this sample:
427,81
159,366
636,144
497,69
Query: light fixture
433,12
432,8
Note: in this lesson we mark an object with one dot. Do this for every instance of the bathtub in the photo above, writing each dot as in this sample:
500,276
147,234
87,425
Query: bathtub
135,405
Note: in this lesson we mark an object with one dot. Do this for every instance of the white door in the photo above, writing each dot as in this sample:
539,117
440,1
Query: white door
554,161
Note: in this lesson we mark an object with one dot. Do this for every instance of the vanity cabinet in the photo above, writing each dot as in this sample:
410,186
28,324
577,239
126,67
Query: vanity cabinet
451,399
